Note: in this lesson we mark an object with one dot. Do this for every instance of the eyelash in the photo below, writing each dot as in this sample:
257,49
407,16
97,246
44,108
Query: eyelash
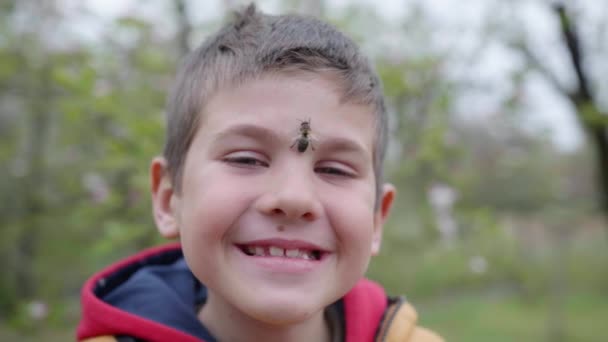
333,171
247,161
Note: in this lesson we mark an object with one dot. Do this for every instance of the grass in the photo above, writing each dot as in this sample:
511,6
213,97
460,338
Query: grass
510,318
45,334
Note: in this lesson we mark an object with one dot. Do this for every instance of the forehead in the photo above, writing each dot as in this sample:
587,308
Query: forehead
285,102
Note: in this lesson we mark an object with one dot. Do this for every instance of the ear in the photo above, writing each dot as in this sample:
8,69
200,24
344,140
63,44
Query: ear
163,199
386,202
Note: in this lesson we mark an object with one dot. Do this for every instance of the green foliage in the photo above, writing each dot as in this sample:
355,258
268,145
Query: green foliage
81,145
79,124
591,115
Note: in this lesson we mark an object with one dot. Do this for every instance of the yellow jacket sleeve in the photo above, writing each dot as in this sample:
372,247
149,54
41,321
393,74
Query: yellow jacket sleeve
399,325
100,339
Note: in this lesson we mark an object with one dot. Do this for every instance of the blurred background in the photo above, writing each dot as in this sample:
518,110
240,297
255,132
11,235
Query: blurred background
499,150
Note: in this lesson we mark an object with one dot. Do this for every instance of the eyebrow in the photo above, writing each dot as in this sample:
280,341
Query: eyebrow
342,145
247,130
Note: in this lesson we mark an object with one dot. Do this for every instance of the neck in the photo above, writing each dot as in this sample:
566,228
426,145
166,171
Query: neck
227,323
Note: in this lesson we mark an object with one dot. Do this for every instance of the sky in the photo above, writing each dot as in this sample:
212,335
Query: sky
457,28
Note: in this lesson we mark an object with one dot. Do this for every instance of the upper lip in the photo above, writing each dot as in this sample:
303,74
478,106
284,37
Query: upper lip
285,244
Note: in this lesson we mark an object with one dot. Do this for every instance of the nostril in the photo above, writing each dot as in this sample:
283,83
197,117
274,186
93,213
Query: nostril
308,216
277,211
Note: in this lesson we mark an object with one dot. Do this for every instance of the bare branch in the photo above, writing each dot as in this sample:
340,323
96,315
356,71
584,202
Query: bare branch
571,39
536,64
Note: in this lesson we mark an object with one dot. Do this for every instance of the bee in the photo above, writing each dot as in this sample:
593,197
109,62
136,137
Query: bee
304,140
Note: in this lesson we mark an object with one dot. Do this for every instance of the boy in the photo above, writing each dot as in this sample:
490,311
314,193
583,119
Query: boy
271,179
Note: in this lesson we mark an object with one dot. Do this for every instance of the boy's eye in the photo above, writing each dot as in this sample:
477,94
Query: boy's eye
245,160
335,171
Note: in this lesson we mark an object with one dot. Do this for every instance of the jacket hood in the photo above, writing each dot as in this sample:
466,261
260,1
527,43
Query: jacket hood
154,296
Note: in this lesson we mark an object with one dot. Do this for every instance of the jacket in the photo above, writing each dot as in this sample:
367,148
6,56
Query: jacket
153,296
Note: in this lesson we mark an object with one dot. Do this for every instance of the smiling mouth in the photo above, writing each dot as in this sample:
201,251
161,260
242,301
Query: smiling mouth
278,252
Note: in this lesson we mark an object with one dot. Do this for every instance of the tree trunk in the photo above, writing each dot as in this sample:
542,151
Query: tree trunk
594,122
600,139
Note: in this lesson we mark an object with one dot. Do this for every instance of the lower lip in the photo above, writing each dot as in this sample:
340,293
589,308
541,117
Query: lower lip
283,265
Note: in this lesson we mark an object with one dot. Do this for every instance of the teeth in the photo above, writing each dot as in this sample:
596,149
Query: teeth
280,252
276,251
292,253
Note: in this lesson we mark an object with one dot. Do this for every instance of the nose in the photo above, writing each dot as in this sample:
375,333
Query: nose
291,196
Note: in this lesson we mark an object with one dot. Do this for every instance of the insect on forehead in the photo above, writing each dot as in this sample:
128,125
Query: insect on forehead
303,141
305,125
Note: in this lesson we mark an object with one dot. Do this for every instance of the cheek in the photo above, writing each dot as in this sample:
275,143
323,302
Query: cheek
351,210
214,200
353,223
353,229
209,210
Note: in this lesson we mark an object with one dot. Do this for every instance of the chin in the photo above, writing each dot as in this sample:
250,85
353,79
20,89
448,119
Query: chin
282,318
277,312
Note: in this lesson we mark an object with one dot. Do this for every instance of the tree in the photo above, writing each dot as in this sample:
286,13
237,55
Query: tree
583,97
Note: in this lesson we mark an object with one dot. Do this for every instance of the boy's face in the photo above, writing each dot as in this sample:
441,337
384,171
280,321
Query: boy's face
275,233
